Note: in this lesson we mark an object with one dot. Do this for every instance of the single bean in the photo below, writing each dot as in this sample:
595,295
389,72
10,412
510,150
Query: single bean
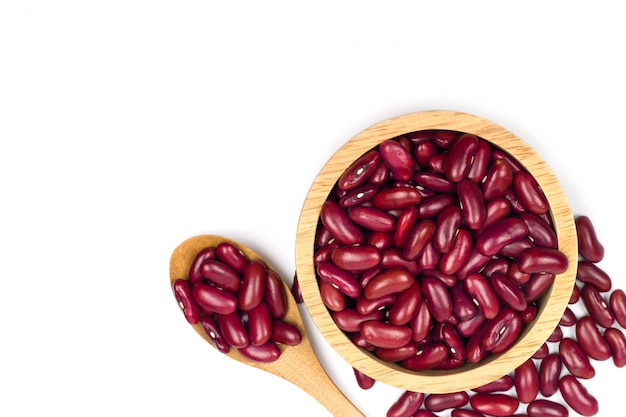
213,299
483,294
431,206
231,256
500,234
481,161
259,324
617,305
345,281
385,335
549,374
573,299
438,298
424,413
543,260
529,313
529,193
357,257
498,179
556,335
498,208
463,412
428,356
508,291
514,201
406,405
496,265
448,335
323,254
537,285
589,246
429,258
336,220
358,196
499,405
445,138
389,281
418,238
617,341
397,354
575,359
501,154
450,363
434,182
540,232
546,408
253,285
460,157
285,333
266,353
349,320
221,275
393,198
502,331
421,323
233,330
364,381
359,171
474,350
393,258
526,380
591,340
440,402
275,295
569,318
424,151
596,306
471,326
212,330
447,279
365,306
379,175
577,396
448,223
542,352
475,262
405,223
182,293
472,203
463,306
372,218
333,299
516,248
459,254
504,383
196,265
406,305
295,289
590,274
382,240
398,159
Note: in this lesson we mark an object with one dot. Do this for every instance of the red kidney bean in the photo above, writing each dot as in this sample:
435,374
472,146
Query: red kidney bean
529,193
275,295
385,335
382,240
447,334
590,274
515,249
475,262
388,282
358,196
460,157
504,383
429,355
336,220
431,206
213,299
556,335
508,291
434,182
542,352
514,201
359,171
397,354
546,408
221,275
259,324
253,285
349,320
474,350
596,306
393,198
333,299
406,305
537,285
406,405
472,203
575,359
398,159
498,208
589,246
469,327
526,380
543,260
345,281
266,353
231,256
421,323
496,265
462,412
424,413
233,330
502,331
617,305
438,298
194,270
575,295
529,313
447,279
463,306
364,381
429,258
405,223
379,175
424,151
479,288
458,256
357,257
448,223
617,341
182,293
549,374
539,231
500,234
576,396
365,306
499,405
392,258
568,318
498,179
418,238
440,402
295,289
285,333
501,154
590,339
211,329
372,218
323,254
480,165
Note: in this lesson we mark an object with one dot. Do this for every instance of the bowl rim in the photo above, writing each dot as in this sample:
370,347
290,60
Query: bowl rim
550,309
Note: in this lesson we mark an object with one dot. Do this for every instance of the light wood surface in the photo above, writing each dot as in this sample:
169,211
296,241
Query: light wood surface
297,364
551,307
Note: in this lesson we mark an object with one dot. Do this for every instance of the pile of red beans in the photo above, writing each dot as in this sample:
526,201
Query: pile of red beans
433,249
240,303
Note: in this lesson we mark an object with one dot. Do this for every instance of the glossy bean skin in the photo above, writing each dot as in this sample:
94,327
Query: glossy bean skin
182,293
365,306
502,331
231,256
333,299
385,335
549,374
259,324
406,405
266,353
418,238
295,289
359,171
421,323
471,326
432,206
211,329
475,262
428,356
575,359
576,396
500,234
482,158
393,258
221,275
596,306
546,408
508,291
498,208
398,159
460,157
617,341
434,182
463,412
438,298
569,318
498,405
358,196
452,261
590,274
526,380
589,246
440,402
479,288
591,340
364,381
617,304
275,295
372,218
337,222
541,232
285,333
498,179
393,198
472,203
448,223
253,285
463,306
194,270
529,193
389,281
356,258
405,223
349,320
543,260
345,281
233,330
504,383
397,354
406,305
448,335
537,285
212,299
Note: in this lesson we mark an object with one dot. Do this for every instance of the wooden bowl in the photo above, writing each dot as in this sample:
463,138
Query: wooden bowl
550,307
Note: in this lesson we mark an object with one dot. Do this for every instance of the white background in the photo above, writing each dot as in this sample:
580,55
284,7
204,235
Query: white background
129,126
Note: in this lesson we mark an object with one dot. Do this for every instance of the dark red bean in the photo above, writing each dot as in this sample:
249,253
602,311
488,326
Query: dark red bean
323,254
438,298
617,341
275,295
474,350
231,256
529,193
385,335
500,234
357,257
589,246
575,295
499,405
526,380
448,335
575,359
471,326
448,223
549,374
515,249
429,258
336,220
406,305
182,293
576,396
372,218
457,257
431,206
213,299
440,402
591,340
617,304
259,324
406,405
504,383
542,352
483,294
285,333
543,260
568,318
475,262
556,335
364,381
389,281
392,258
537,285
529,313
508,291
498,208
421,323
472,203
211,329
501,154
349,320
393,198
418,238
266,353
397,354
221,275
333,299
194,270
428,356
498,179
358,196
424,151
460,157
539,231
463,306
462,412
596,306
398,159
590,274
359,171
405,223
365,306
345,281
502,331
233,330
253,285
546,408
480,165
434,182
295,289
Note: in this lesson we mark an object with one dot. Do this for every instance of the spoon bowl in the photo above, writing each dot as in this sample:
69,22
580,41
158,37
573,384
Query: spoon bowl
297,364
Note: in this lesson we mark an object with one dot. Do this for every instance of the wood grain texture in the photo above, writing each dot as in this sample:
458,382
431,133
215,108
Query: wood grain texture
297,364
551,306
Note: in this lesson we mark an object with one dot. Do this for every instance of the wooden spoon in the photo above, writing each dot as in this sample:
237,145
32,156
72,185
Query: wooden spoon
296,364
